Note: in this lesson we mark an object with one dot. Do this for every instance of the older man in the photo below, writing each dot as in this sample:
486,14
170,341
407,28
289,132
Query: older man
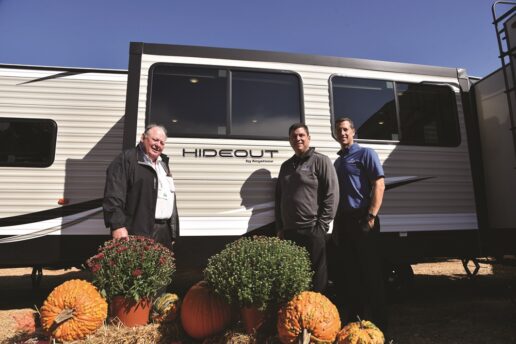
306,200
139,196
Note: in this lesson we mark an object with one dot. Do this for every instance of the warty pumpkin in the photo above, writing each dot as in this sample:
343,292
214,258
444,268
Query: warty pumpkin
308,314
204,313
360,332
166,307
73,310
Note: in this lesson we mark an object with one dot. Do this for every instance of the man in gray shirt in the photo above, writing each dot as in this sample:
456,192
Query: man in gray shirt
306,200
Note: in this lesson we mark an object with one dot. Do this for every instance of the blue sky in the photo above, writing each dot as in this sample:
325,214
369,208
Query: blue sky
96,33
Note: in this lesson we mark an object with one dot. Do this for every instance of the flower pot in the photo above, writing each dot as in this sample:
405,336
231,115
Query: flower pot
129,312
252,318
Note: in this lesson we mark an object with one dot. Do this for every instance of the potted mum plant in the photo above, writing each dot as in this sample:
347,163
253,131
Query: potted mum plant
259,274
129,272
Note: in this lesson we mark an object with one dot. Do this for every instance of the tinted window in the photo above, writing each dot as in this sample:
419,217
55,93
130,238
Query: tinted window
27,142
218,102
428,115
264,104
189,100
369,103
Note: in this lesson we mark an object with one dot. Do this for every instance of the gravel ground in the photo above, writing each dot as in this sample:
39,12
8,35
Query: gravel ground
442,304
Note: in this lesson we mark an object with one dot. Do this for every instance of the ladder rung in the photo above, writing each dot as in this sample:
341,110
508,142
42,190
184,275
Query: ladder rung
503,16
508,52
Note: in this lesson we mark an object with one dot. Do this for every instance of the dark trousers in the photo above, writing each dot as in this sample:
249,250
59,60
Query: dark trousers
161,233
313,239
359,280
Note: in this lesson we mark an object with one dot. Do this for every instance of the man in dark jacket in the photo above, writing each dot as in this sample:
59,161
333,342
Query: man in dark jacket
306,200
139,196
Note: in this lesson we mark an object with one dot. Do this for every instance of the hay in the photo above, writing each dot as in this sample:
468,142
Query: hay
17,323
164,333
153,333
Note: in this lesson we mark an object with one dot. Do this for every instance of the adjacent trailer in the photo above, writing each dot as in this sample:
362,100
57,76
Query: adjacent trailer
59,129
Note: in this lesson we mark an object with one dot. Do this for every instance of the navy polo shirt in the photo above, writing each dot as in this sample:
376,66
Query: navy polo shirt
357,167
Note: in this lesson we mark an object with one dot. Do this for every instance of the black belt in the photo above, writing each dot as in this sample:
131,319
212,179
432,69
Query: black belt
161,221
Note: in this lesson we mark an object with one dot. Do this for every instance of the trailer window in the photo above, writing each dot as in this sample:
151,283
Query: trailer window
371,105
189,101
413,114
221,102
27,142
264,103
428,115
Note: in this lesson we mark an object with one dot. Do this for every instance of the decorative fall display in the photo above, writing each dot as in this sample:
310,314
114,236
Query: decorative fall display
204,313
135,267
261,272
130,312
73,310
360,332
308,314
166,307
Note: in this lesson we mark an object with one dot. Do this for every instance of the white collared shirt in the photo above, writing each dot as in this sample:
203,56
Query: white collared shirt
166,190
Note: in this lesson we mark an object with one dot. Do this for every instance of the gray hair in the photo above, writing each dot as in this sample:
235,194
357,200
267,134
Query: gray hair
154,125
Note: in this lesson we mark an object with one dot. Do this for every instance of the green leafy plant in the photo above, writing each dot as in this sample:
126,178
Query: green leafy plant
259,272
135,267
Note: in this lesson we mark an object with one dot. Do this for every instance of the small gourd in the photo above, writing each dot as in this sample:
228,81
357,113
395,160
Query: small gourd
73,310
309,317
166,308
360,332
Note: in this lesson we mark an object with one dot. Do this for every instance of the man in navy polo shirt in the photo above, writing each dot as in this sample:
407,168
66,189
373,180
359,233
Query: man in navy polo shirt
356,229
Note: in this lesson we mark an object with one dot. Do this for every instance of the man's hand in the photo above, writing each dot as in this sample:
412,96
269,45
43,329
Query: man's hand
120,233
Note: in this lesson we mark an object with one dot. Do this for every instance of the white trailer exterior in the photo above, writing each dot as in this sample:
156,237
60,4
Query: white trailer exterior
498,161
86,107
225,173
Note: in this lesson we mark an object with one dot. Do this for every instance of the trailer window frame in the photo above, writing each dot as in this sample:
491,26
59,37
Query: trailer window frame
25,139
454,113
229,128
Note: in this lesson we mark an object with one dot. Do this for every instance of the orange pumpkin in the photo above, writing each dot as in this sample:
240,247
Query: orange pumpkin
363,332
308,314
73,310
204,313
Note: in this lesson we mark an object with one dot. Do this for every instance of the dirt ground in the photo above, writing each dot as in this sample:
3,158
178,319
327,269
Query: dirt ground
441,304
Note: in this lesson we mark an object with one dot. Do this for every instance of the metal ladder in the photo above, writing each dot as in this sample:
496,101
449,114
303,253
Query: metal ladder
505,25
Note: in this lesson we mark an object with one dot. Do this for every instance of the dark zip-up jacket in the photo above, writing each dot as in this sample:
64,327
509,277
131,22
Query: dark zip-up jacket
306,192
131,192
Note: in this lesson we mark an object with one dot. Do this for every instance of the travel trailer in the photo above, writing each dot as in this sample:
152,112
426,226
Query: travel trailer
59,129
227,113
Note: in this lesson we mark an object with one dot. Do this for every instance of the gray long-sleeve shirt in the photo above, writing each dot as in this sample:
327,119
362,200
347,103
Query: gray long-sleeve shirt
306,192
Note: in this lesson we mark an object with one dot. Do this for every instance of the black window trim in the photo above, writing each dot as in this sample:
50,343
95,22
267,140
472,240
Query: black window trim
398,119
229,70
52,143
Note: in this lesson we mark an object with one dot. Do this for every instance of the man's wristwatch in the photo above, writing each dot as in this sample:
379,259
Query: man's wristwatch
371,217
